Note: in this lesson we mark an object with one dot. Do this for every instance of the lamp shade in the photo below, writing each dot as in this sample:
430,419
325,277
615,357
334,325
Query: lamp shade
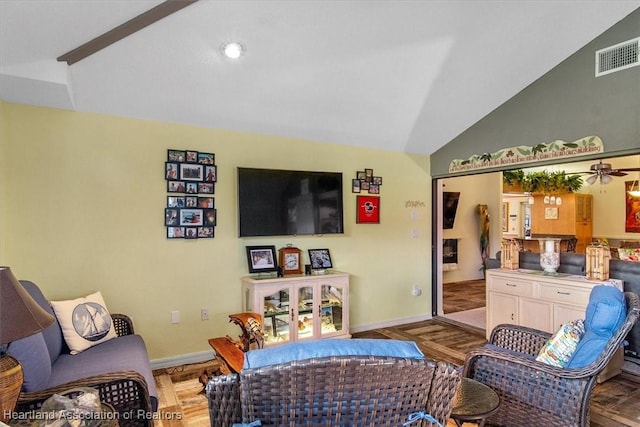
20,315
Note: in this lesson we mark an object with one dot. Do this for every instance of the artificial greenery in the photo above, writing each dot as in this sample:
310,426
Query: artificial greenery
543,181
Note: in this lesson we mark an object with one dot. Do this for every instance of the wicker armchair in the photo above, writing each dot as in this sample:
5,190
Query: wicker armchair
335,391
126,391
535,393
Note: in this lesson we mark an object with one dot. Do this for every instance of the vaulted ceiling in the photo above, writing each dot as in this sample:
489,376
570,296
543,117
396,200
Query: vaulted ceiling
407,76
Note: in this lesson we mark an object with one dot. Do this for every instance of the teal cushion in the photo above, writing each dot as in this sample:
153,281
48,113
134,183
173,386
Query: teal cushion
331,347
33,355
605,314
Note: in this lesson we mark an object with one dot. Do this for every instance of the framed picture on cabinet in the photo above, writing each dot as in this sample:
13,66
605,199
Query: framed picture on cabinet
262,259
320,259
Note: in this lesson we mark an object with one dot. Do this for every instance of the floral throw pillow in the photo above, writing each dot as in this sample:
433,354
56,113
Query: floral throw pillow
560,347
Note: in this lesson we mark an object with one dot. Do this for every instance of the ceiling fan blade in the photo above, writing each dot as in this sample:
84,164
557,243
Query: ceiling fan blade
616,173
629,169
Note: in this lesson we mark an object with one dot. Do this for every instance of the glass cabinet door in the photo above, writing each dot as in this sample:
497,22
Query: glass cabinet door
331,308
276,314
306,315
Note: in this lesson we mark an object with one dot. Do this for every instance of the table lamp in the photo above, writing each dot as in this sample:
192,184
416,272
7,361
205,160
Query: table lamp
20,317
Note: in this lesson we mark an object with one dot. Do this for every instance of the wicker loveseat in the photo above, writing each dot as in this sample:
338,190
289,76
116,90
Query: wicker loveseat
335,383
533,392
118,369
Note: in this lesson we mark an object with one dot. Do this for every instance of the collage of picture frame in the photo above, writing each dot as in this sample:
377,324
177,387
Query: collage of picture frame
366,181
190,211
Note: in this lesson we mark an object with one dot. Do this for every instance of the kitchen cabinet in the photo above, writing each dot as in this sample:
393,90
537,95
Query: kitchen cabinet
574,217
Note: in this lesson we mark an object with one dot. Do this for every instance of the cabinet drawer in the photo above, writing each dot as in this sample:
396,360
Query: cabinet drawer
565,294
511,286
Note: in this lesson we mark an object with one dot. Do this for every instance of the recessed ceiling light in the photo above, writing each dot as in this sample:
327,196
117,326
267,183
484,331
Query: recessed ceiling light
233,50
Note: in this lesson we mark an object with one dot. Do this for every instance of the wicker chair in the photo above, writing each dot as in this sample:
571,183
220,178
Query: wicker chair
535,393
126,391
335,391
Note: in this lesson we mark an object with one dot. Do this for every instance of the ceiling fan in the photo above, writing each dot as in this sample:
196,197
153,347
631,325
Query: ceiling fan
604,172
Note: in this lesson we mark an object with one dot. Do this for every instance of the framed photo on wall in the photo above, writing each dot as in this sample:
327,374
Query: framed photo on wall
367,210
191,172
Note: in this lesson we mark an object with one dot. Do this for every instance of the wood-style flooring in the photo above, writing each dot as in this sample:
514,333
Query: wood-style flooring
616,403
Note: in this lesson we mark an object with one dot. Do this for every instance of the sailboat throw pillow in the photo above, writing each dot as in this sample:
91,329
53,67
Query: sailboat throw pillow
85,322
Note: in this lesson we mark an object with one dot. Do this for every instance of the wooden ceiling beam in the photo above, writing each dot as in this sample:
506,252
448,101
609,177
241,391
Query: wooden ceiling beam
118,33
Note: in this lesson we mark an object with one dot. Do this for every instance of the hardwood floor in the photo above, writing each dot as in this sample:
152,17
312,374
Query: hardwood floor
616,403
462,296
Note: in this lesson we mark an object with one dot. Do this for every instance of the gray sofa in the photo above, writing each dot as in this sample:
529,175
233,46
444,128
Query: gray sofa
572,263
119,368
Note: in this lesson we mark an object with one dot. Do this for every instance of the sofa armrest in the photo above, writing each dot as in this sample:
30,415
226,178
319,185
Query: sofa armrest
223,394
126,391
123,324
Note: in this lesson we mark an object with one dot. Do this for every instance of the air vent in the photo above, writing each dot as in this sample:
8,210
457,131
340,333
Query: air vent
618,57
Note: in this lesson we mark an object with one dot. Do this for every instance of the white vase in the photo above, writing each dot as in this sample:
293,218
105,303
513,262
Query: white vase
550,255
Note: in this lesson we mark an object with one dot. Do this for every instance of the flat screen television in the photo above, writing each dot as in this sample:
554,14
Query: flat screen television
274,202
449,208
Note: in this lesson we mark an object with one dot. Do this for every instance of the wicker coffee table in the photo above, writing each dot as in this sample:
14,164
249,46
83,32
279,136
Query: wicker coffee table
474,402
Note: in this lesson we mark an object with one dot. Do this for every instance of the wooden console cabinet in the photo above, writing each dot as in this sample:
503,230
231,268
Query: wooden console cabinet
299,307
531,298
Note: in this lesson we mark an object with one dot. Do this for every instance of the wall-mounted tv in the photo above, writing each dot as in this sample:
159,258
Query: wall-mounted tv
449,208
274,202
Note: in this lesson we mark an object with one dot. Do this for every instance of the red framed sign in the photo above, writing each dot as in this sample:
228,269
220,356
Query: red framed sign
367,210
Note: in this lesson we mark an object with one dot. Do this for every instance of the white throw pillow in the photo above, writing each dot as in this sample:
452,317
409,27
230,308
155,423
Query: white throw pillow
85,322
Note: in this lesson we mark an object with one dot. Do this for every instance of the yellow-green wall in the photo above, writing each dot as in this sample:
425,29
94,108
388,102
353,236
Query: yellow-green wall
82,200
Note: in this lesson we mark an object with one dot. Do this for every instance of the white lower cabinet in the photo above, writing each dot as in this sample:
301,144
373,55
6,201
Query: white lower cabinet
299,307
531,298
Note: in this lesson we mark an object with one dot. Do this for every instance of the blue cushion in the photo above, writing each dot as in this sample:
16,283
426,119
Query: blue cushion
53,334
331,347
32,354
605,314
123,353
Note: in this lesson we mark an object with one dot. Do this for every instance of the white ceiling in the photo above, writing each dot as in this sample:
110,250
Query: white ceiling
406,76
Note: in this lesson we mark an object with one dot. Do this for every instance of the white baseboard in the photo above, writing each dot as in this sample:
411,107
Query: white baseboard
389,323
203,356
182,359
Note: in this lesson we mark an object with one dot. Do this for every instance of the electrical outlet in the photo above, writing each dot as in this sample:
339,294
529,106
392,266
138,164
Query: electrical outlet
175,316
204,314
416,291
